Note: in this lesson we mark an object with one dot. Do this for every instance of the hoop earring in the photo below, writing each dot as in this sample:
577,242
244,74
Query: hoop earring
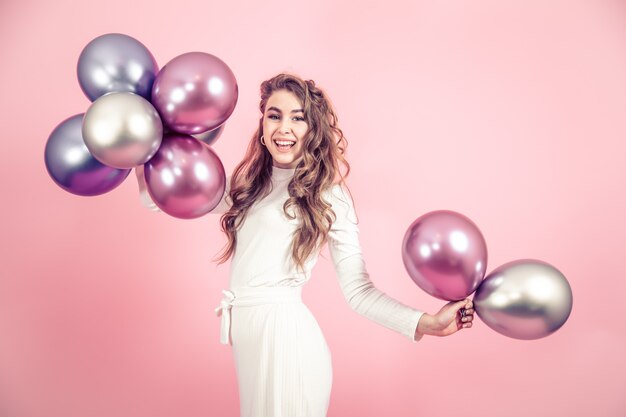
262,140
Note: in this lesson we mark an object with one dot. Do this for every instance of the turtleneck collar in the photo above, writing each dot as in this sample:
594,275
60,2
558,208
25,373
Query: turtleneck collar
282,173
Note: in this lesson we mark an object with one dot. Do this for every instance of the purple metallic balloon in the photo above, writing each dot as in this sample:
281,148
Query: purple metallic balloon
445,254
73,167
116,63
211,136
195,92
185,178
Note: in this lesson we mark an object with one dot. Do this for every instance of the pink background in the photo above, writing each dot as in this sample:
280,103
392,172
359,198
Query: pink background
511,113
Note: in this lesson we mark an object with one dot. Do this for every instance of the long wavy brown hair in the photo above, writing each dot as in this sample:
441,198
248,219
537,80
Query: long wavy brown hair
324,146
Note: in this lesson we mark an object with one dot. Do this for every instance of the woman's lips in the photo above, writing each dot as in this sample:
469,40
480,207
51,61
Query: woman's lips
282,148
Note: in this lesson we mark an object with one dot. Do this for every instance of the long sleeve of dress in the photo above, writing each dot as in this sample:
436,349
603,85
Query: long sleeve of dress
359,291
144,197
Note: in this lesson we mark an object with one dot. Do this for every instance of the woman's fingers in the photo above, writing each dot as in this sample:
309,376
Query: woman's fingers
467,317
463,316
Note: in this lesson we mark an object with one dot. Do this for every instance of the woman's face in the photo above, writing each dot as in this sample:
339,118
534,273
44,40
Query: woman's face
283,123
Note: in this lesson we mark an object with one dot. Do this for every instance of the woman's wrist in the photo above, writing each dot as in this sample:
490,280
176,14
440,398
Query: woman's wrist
425,325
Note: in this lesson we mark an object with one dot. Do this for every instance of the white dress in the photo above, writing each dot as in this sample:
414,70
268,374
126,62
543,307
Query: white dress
282,360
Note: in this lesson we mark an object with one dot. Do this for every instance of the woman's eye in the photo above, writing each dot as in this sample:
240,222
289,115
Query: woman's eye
299,118
273,117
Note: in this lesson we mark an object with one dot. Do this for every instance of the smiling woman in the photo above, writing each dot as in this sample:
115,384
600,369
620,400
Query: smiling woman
286,199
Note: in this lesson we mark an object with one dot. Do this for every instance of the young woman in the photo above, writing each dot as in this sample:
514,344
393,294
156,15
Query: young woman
284,201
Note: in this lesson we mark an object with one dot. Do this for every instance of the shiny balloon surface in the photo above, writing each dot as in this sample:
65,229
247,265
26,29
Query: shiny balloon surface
211,136
524,299
195,92
73,167
122,130
445,254
116,63
185,178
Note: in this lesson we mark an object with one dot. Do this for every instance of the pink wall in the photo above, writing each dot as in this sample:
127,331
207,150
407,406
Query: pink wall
511,113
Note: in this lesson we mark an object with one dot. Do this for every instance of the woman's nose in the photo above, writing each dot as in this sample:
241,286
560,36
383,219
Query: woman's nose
285,128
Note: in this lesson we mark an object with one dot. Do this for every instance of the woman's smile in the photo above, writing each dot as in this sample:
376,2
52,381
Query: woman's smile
284,145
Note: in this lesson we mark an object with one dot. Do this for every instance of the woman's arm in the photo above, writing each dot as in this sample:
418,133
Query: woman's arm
454,316
364,298
358,290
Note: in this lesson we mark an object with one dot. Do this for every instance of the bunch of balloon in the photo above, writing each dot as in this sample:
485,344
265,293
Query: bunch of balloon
161,123
445,254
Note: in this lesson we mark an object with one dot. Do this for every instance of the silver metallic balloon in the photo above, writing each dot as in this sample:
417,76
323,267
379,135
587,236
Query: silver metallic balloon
122,130
211,136
524,299
72,167
116,63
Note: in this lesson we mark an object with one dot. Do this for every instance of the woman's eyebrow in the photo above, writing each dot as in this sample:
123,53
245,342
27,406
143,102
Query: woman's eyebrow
278,110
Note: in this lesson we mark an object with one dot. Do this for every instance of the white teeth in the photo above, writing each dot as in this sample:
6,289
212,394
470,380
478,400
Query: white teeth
284,142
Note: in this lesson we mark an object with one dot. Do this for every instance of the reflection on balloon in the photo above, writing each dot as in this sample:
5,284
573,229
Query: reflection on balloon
195,92
116,63
524,299
211,136
72,167
122,130
445,254
185,178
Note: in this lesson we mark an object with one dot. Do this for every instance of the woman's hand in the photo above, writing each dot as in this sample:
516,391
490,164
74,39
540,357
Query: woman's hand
452,317
143,191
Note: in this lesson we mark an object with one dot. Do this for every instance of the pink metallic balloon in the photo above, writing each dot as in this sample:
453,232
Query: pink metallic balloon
445,254
185,178
195,92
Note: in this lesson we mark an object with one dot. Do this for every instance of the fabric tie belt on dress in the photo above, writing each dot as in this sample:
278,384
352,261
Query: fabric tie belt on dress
252,297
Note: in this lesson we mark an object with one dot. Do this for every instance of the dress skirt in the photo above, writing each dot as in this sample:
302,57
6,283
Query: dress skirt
282,360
